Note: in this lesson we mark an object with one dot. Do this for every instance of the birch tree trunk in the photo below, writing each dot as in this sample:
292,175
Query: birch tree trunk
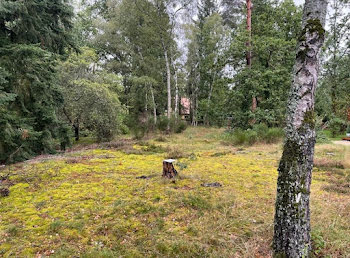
292,214
195,106
176,95
168,81
176,111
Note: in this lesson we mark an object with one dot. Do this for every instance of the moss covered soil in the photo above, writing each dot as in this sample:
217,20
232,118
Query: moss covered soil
90,203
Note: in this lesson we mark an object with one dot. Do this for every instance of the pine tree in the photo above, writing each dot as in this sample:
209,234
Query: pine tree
31,34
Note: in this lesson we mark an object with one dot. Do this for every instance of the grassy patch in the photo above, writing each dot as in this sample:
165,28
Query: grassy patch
89,203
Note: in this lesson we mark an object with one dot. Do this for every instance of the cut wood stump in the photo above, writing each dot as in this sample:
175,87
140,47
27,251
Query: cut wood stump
168,168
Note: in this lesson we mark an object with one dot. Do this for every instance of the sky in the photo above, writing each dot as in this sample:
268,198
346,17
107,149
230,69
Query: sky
299,2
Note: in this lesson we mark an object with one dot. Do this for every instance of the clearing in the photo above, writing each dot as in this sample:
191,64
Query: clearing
90,203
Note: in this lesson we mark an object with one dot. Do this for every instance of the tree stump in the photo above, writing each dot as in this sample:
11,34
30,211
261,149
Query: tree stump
168,168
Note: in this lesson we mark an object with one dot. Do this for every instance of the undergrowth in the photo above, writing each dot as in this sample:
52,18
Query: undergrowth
258,134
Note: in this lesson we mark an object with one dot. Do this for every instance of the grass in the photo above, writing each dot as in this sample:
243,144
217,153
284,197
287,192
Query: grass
88,203
329,135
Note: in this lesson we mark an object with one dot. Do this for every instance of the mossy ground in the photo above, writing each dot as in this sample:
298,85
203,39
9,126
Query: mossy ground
88,203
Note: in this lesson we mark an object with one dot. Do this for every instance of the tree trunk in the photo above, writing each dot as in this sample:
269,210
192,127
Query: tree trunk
292,214
176,96
76,132
334,66
249,30
168,81
249,45
195,106
154,106
168,168
146,105
176,111
192,100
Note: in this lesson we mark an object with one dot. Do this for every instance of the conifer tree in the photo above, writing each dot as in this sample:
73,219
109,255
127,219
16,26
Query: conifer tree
32,33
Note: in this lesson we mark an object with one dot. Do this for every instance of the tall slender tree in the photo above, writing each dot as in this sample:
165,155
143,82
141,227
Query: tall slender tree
249,32
337,50
292,215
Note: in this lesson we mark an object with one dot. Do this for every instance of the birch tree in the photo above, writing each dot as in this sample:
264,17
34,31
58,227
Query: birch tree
292,215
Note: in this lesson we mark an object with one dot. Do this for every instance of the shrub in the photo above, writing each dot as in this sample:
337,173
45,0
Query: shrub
321,137
259,133
337,126
180,126
237,137
251,136
162,123
175,125
273,135
261,129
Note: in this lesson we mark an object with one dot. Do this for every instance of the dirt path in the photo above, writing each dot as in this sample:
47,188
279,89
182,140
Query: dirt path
346,143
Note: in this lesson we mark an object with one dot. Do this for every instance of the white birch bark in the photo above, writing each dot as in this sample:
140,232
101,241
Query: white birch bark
176,95
168,81
292,215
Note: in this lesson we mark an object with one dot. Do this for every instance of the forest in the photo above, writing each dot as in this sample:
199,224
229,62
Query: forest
174,128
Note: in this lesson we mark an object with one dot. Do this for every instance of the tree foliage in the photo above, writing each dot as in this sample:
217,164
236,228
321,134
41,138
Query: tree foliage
31,34
91,96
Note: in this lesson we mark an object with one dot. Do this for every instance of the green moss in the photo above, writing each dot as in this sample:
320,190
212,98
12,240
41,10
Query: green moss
303,190
310,119
312,25
95,206
291,154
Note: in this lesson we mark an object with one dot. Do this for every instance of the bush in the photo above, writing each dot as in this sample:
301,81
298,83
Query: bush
180,126
141,129
162,123
337,126
238,137
252,137
273,135
175,125
261,129
259,133
321,137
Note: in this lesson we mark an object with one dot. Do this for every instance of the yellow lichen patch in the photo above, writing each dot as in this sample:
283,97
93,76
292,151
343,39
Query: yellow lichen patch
96,202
